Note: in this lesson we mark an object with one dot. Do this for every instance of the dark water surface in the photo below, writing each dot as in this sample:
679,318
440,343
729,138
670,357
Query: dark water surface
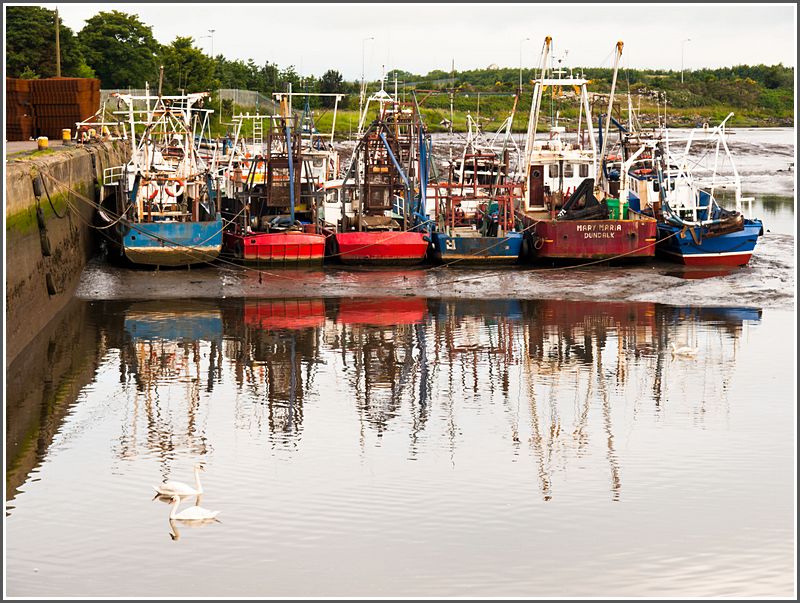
404,446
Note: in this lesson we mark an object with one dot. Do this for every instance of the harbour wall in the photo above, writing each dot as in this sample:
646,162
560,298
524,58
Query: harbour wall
42,385
48,241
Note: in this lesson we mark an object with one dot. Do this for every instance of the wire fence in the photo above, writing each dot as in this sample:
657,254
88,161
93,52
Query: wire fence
242,99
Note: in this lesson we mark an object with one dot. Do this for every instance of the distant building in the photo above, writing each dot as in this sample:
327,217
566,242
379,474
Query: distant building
493,66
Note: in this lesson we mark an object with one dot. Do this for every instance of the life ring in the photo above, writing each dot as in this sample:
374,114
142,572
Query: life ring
154,188
178,191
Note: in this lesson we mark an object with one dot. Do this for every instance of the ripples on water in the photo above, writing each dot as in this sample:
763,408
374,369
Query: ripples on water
404,447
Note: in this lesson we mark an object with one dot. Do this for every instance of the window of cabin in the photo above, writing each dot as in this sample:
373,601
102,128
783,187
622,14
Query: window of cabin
569,170
553,170
583,170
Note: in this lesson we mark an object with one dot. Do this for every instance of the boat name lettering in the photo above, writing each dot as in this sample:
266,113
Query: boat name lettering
598,227
599,231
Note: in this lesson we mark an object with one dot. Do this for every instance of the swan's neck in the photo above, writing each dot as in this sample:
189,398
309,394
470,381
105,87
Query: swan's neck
174,511
197,485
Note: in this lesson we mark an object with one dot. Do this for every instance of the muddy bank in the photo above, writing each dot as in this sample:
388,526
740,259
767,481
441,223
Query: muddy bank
767,282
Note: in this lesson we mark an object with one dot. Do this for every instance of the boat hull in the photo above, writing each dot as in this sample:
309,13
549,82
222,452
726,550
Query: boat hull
476,250
172,243
276,247
590,239
381,247
730,249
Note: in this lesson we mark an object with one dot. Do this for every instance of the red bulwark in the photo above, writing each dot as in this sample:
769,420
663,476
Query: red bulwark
276,247
384,247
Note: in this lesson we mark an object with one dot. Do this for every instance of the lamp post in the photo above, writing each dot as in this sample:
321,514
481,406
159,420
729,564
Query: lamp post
363,81
683,45
520,62
363,44
211,31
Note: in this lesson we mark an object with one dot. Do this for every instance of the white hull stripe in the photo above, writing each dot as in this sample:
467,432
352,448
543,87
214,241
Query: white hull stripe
707,255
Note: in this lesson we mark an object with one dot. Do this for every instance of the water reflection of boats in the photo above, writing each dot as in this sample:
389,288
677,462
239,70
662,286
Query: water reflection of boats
284,313
164,346
274,349
382,311
174,320
560,376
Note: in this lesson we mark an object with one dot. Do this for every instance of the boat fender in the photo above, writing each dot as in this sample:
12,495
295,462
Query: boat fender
123,227
525,248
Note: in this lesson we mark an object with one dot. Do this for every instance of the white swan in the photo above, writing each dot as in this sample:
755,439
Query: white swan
170,488
190,513
683,350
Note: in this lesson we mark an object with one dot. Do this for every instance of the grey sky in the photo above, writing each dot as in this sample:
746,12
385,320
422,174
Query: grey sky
420,37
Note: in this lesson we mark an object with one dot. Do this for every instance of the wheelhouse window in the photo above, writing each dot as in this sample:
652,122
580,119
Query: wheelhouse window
553,170
583,170
569,170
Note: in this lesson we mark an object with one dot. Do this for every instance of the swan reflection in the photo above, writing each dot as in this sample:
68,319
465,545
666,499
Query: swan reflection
175,534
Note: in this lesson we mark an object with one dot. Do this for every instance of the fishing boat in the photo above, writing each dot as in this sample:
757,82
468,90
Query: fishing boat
565,211
267,219
678,180
160,209
380,219
475,221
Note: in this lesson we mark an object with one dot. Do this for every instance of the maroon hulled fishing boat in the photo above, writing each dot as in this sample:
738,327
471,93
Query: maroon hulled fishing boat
565,211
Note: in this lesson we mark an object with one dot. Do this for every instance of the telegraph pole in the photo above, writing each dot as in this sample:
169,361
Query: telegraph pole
58,48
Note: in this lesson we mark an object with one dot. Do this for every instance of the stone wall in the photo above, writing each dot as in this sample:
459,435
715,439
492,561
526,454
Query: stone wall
39,285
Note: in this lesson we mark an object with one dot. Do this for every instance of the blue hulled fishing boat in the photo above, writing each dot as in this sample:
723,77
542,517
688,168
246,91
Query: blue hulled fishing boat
161,207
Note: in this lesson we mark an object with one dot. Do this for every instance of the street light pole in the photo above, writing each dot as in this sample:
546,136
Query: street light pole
363,81
520,63
683,45
211,31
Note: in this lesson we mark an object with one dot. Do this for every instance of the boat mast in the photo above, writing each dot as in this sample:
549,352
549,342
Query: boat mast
536,101
604,149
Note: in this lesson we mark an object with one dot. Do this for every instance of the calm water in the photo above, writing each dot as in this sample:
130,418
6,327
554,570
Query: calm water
404,447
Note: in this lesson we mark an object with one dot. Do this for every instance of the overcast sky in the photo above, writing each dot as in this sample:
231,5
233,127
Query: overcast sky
423,37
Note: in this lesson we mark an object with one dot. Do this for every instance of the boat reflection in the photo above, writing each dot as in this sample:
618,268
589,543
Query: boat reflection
561,377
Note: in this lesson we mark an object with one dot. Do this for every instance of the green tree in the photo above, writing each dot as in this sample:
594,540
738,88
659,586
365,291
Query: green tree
31,44
121,49
186,67
329,83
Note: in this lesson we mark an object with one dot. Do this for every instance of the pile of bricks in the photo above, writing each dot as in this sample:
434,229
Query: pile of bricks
54,104
19,111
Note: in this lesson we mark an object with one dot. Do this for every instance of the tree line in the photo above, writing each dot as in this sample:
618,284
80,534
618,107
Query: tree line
120,50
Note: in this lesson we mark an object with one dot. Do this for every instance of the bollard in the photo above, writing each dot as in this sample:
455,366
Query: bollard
42,142
66,137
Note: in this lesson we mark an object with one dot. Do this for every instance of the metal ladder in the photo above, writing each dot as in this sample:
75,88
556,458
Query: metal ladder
258,132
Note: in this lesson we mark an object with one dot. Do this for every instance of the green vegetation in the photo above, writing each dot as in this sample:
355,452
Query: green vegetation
121,50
